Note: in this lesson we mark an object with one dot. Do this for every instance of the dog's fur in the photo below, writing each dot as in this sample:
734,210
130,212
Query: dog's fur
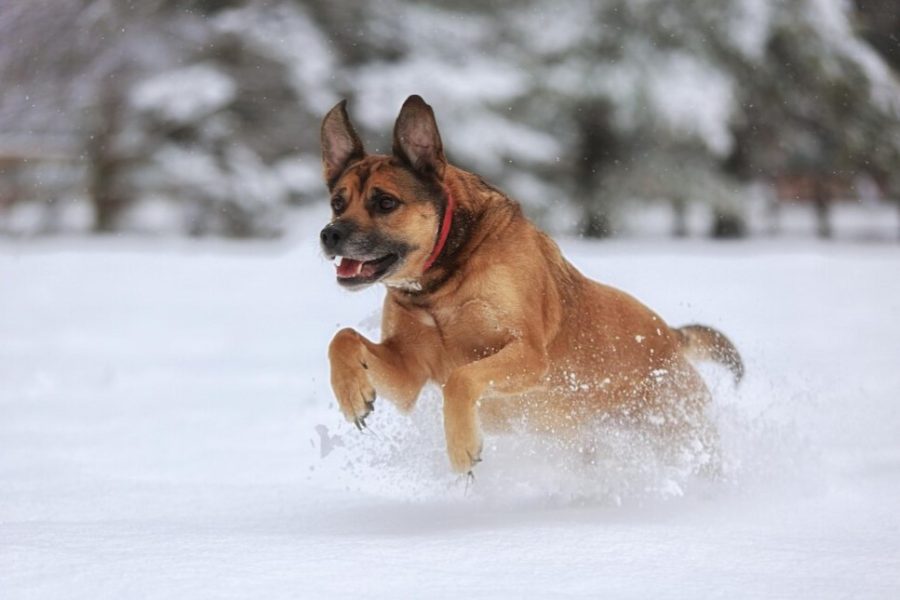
509,329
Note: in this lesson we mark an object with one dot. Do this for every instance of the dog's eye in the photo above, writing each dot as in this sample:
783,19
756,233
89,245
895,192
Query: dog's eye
338,204
385,203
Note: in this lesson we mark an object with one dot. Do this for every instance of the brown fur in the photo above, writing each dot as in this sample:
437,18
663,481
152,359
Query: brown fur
509,329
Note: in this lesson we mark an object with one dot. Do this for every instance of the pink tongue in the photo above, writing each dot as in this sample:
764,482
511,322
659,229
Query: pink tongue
349,267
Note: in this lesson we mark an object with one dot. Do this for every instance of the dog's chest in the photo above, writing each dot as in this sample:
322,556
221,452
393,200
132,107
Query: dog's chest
470,331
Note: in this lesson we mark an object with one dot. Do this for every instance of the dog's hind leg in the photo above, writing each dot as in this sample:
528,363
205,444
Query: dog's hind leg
690,435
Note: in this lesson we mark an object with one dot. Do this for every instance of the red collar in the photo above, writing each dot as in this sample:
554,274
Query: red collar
445,230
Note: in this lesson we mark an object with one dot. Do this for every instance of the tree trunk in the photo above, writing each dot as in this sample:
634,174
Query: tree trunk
727,224
773,213
107,204
679,217
105,165
597,223
597,147
822,208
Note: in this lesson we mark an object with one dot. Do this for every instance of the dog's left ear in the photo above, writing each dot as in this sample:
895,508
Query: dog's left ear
416,138
340,143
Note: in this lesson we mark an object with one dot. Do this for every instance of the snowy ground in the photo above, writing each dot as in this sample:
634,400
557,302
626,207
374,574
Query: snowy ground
167,431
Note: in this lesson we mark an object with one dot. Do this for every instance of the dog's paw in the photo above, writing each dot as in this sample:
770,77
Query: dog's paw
349,380
464,450
355,396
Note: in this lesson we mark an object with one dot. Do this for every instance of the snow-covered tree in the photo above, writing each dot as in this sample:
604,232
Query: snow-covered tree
692,100
579,109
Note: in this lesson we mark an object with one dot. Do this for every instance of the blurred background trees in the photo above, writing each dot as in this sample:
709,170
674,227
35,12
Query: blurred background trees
200,117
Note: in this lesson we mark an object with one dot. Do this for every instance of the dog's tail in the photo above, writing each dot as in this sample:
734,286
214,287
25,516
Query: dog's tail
699,342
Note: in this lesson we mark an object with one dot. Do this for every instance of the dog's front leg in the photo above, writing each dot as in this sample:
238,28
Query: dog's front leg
518,367
361,368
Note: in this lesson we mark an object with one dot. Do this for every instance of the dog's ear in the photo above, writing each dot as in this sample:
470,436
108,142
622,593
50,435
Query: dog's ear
416,138
340,143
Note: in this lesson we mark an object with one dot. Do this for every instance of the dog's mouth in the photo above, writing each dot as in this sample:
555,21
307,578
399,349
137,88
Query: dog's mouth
353,272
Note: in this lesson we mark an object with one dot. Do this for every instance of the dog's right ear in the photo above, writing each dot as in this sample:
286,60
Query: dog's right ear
340,143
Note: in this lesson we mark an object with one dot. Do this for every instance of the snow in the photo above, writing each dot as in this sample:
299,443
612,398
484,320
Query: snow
185,95
167,430
749,27
285,33
456,91
691,96
834,22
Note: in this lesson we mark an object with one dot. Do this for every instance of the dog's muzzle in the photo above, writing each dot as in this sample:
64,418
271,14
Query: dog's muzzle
333,236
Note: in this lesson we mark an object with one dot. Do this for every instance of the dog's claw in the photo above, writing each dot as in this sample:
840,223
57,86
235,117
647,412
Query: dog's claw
369,403
470,480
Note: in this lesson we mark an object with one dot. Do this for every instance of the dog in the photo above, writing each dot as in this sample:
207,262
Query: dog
483,303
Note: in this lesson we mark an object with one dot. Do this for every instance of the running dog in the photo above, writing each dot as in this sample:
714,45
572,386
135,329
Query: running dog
483,303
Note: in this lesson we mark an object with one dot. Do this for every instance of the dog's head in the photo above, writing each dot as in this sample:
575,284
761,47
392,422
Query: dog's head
386,209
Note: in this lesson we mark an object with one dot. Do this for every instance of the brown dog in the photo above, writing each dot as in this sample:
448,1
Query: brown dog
483,303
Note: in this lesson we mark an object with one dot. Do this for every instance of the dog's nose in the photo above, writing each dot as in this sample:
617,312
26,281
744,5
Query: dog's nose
332,236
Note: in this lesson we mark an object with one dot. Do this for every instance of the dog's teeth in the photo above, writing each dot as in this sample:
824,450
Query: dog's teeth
337,260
